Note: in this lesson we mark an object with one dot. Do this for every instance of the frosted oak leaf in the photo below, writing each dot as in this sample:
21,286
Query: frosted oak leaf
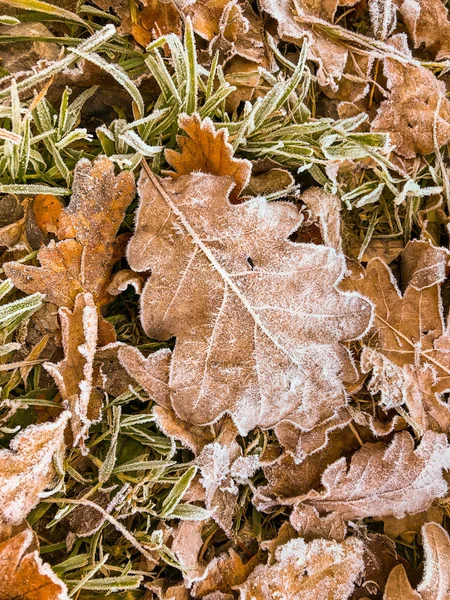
435,584
318,570
23,575
257,319
386,480
27,468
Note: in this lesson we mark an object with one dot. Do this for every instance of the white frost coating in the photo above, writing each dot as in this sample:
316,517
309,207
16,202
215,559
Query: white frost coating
27,468
318,570
386,481
258,319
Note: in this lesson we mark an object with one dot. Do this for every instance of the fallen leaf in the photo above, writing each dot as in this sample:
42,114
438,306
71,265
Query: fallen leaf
326,210
435,584
155,20
207,150
427,23
191,436
74,374
318,570
23,575
380,556
47,210
416,113
223,573
398,586
264,312
408,354
27,468
83,259
310,525
386,480
410,525
186,545
223,468
331,58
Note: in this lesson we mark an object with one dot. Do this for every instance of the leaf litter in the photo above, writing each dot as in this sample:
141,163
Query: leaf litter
224,300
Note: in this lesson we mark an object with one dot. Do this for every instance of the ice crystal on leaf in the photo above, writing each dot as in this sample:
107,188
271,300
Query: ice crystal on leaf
258,319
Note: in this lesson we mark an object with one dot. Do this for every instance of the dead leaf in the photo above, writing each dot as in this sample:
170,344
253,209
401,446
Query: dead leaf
223,574
223,468
330,57
416,111
318,570
435,584
191,436
207,150
74,374
427,23
386,480
83,260
408,355
47,210
326,210
410,525
23,575
264,312
380,556
310,525
155,20
186,545
27,468
122,279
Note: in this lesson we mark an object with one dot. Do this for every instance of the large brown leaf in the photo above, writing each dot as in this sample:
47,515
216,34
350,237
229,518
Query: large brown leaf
386,480
23,575
318,570
83,259
258,319
27,468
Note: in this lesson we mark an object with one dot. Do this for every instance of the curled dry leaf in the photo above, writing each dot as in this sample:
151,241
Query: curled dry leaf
223,468
27,468
310,525
230,26
223,573
208,151
326,210
155,20
23,575
318,570
410,525
416,113
435,584
386,480
83,259
409,354
258,319
427,23
74,374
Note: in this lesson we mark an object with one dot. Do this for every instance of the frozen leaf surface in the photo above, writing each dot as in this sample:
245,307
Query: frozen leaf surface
207,150
318,570
23,575
415,108
409,354
27,468
74,374
386,480
435,584
83,259
258,319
